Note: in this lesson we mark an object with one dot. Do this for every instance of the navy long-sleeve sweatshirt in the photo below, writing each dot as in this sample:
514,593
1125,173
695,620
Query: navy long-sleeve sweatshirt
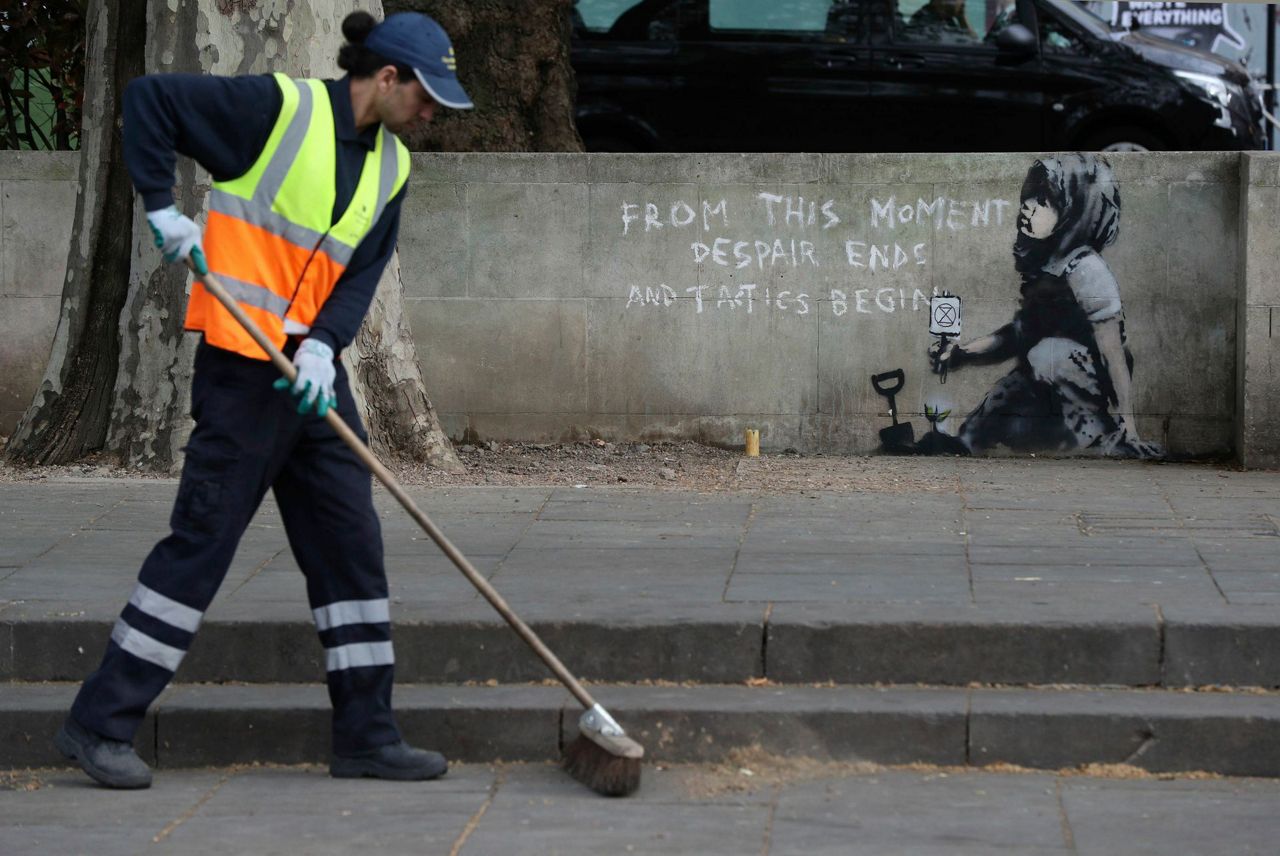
223,123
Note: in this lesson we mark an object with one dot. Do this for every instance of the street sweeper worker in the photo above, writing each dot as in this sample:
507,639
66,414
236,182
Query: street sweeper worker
307,181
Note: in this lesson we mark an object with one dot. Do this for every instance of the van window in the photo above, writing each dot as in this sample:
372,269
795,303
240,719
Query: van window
1055,37
626,20
939,22
792,16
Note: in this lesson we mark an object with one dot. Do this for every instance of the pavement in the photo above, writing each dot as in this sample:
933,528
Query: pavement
962,614
535,809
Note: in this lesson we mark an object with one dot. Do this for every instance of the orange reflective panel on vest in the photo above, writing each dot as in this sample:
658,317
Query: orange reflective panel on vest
270,236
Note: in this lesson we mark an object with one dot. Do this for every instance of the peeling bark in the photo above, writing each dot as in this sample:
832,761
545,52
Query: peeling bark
387,381
118,378
149,420
68,415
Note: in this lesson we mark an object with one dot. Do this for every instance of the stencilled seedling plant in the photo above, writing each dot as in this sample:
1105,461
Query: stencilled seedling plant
936,442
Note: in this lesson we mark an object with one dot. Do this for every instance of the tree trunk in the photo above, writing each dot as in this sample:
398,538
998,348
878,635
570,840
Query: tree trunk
119,371
387,382
513,60
68,415
149,420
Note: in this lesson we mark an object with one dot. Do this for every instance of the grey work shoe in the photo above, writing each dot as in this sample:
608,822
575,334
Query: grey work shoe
111,762
398,761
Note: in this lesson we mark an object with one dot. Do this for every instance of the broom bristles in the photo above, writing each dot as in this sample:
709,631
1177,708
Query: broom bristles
601,770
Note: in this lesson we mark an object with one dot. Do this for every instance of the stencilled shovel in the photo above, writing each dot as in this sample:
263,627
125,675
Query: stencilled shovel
900,436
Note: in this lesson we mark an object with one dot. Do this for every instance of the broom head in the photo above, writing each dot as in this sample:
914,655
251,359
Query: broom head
603,757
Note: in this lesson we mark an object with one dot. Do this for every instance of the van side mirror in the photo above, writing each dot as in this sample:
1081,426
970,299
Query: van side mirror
1016,40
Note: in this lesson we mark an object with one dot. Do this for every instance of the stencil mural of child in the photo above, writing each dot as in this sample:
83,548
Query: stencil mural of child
1071,388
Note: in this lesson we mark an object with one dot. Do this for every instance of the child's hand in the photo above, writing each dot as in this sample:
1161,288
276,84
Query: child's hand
944,356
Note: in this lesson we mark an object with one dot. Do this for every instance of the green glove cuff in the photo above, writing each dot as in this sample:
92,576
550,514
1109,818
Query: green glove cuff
197,259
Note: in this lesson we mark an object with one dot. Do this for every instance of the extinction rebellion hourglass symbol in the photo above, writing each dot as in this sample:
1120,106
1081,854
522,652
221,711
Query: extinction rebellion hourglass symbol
945,315
944,322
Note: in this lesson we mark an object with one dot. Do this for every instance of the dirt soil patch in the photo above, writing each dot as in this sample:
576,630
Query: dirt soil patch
653,466
678,466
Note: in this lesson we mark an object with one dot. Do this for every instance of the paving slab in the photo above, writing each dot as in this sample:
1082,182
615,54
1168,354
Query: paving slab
17,548
898,812
795,539
1158,553
70,814
1143,817
529,560
519,826
595,534
927,588
1069,592
680,585
477,810
468,499
699,509
881,564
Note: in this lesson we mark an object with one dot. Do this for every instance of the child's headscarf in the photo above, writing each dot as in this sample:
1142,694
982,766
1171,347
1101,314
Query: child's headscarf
1082,189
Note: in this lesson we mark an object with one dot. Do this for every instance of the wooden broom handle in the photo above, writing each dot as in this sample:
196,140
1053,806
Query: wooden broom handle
286,367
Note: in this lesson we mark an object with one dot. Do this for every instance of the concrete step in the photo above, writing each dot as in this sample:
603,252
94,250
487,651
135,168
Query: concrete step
1231,733
731,643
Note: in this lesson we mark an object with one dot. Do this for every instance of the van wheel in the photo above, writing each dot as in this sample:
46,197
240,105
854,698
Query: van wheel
1123,139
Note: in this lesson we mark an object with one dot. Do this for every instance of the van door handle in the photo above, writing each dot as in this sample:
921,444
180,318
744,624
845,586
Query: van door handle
834,60
901,61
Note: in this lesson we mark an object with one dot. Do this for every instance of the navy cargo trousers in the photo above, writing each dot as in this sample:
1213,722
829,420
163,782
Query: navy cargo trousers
248,437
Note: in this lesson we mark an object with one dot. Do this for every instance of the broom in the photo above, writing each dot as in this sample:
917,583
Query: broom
602,757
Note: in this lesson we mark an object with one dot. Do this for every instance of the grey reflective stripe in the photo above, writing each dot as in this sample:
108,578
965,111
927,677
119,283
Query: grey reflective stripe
387,176
144,647
166,609
347,612
259,214
287,152
358,655
336,250
254,295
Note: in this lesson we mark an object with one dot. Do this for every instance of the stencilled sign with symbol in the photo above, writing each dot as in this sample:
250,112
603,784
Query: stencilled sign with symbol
1206,26
944,315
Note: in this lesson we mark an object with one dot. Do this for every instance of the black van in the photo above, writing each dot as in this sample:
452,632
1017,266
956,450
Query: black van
895,75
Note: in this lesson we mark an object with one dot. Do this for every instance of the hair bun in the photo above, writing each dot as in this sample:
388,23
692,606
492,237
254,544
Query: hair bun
357,26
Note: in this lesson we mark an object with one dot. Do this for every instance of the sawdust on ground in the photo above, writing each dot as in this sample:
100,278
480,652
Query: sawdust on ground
21,780
753,769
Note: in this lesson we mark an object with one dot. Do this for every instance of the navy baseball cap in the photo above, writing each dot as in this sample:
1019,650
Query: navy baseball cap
417,41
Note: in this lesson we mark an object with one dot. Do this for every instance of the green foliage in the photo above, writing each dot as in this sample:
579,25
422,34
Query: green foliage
42,61
934,415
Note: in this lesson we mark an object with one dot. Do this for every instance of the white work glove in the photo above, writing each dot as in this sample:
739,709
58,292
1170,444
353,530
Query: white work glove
316,373
177,236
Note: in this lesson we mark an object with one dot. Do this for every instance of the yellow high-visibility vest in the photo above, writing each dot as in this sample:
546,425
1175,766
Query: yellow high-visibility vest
270,238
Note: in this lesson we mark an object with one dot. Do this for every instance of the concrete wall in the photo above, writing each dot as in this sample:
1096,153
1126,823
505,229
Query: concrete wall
37,207
542,313
1258,313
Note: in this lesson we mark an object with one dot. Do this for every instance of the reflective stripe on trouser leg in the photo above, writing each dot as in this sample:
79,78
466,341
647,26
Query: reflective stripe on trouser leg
359,661
226,467
326,504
